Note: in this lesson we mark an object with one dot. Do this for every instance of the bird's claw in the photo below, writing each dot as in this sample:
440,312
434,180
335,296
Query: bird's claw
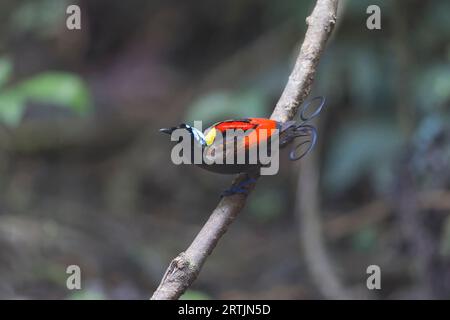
239,189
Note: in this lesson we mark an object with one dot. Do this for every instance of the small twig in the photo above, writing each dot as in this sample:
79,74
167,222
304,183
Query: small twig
345,224
183,270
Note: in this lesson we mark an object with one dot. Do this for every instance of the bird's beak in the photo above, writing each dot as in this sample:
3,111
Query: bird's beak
167,130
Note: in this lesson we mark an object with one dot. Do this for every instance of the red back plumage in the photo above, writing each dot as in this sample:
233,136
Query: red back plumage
254,124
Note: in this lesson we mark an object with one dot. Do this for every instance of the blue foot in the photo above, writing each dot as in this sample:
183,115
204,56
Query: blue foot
238,189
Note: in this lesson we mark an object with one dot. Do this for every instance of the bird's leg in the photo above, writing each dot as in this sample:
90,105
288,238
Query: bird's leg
241,187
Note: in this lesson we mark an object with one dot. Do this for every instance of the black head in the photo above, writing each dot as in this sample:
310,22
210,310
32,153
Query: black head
172,129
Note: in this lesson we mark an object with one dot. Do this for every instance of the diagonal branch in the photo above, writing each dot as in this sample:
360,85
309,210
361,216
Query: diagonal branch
184,269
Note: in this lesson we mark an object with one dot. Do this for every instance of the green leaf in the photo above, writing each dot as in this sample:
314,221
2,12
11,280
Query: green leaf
361,148
60,88
194,295
5,70
433,87
12,107
42,18
365,239
221,105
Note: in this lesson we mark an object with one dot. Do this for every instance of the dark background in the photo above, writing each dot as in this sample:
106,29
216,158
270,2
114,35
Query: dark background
86,178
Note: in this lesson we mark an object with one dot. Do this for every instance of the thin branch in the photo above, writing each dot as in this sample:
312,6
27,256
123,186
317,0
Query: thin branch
379,210
59,135
307,210
184,269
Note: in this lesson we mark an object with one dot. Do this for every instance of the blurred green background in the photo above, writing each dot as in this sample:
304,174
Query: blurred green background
86,179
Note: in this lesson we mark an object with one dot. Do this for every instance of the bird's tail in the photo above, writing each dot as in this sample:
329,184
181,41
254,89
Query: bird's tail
306,133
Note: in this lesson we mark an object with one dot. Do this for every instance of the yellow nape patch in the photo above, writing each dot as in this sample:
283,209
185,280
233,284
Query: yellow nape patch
210,136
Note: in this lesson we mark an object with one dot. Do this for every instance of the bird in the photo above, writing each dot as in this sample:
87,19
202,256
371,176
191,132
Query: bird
220,151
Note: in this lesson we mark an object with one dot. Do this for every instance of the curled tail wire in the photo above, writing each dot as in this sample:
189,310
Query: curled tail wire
292,130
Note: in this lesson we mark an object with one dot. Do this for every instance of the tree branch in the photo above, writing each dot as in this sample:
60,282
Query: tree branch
184,269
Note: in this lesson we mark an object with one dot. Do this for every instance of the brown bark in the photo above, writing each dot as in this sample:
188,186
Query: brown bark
184,269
